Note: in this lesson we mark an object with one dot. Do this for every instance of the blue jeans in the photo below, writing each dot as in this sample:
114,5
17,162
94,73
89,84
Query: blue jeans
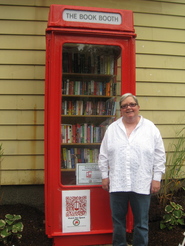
140,207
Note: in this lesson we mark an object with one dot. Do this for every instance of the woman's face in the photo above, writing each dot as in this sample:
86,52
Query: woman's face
129,108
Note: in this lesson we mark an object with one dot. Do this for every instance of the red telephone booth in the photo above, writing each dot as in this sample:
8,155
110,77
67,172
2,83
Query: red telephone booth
90,62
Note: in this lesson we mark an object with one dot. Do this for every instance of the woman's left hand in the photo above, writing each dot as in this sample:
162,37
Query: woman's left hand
155,186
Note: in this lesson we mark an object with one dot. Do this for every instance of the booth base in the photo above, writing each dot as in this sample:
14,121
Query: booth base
91,239
82,240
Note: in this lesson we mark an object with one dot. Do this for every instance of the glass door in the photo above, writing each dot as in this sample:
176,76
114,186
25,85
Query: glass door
90,81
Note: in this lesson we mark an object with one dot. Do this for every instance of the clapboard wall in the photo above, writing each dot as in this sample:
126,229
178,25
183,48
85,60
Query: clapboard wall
160,76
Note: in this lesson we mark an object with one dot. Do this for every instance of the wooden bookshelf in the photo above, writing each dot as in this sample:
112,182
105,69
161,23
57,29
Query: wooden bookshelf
88,103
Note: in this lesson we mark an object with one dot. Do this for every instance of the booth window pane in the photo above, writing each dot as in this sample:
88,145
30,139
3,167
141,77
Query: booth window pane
91,77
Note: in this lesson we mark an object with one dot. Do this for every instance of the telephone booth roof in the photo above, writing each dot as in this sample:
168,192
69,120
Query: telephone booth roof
64,16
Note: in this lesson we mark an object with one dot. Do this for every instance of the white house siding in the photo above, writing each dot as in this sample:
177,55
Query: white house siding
160,75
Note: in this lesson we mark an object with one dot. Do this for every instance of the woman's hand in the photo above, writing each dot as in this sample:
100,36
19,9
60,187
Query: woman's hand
105,184
155,186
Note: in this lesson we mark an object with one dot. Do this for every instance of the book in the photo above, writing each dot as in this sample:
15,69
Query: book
69,165
64,157
72,153
66,133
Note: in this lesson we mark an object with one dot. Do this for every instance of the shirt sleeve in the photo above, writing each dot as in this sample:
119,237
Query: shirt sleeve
103,157
157,176
159,159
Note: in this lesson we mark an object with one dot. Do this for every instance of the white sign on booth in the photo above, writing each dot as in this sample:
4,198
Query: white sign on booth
75,211
92,17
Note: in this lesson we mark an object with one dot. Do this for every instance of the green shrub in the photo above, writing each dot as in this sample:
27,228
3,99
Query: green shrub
10,228
174,178
173,216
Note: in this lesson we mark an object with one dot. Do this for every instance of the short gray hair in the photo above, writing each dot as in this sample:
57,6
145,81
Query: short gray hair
124,96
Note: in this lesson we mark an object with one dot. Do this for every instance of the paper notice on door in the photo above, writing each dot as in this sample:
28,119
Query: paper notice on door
75,211
88,174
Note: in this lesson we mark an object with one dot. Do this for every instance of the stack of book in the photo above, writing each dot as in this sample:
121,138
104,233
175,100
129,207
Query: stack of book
71,156
82,133
88,62
90,107
92,87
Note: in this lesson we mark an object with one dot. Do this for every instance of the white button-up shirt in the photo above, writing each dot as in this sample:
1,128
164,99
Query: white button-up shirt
131,163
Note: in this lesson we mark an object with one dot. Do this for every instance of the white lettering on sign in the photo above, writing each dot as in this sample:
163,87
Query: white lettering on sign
91,17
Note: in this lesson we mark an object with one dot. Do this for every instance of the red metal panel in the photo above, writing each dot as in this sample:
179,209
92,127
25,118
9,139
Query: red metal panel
80,240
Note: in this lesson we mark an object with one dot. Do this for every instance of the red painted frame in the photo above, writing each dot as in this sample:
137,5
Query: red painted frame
57,34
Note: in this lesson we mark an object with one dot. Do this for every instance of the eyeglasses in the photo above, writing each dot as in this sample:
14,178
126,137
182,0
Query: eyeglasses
132,105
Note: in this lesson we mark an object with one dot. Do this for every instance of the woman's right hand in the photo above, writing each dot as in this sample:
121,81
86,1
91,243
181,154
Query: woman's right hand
105,184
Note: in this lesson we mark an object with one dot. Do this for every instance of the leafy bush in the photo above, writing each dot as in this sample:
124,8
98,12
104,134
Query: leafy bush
10,228
174,215
175,163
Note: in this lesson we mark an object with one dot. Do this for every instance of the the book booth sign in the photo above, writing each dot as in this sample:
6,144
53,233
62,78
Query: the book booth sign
92,17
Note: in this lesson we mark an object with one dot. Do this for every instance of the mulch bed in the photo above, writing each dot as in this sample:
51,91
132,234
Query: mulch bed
34,226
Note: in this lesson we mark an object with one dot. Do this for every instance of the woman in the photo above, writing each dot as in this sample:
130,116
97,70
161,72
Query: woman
132,161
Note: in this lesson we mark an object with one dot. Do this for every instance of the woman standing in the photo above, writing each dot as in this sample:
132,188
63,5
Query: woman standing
132,161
